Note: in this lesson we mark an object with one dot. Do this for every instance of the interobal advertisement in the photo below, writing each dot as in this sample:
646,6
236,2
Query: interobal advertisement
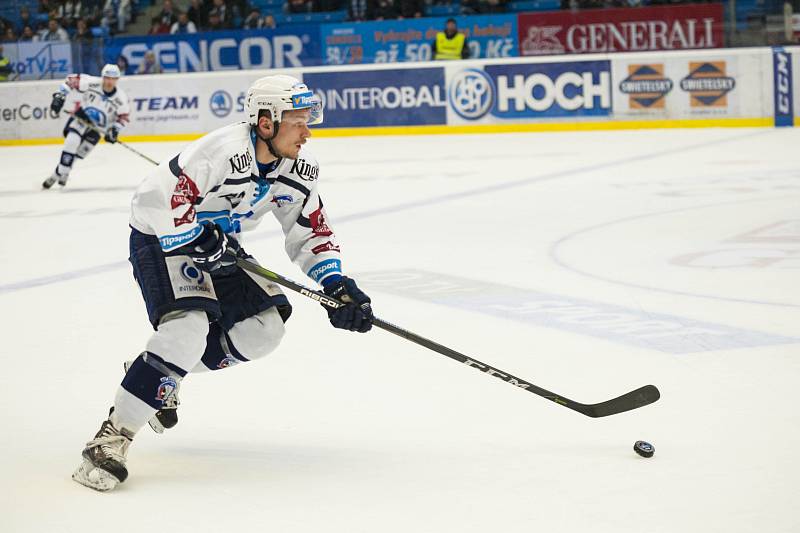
412,39
686,85
385,97
621,30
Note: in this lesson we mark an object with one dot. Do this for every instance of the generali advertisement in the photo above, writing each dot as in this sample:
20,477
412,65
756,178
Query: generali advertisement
621,30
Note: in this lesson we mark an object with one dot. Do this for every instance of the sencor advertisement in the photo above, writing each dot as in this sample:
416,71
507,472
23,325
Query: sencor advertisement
513,92
388,97
224,50
622,30
396,41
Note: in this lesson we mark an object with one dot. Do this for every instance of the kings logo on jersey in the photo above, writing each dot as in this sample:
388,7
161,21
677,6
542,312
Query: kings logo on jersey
646,86
707,84
305,170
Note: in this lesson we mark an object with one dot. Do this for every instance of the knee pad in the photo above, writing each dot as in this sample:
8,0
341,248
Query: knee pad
66,159
180,338
84,148
256,336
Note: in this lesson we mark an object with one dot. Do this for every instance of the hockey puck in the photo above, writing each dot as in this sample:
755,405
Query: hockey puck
645,449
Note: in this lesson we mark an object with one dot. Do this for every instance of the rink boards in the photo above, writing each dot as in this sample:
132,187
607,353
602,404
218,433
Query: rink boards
697,88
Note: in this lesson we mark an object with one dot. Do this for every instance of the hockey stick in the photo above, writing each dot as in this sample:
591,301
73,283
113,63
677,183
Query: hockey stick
124,145
137,152
627,402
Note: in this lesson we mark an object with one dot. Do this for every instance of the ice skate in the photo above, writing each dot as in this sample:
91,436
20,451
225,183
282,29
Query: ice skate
49,182
62,180
103,466
167,416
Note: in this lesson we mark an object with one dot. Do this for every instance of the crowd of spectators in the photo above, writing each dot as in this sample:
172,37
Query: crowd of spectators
82,22
63,20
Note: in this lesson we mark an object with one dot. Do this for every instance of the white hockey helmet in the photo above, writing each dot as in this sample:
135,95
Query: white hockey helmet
279,93
110,71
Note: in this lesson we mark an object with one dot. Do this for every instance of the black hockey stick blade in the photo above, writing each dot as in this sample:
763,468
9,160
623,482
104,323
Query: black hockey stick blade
627,402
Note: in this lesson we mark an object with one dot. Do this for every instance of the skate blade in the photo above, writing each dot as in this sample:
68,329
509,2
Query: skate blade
95,478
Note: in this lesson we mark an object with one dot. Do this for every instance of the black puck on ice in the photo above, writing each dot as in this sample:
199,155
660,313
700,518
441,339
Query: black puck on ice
645,449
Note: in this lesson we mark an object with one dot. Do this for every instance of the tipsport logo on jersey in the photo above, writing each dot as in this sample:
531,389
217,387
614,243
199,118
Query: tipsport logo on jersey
547,90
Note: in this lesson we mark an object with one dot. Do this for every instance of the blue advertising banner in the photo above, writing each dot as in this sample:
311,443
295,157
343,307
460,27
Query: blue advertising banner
782,79
532,90
381,97
222,50
393,41
39,60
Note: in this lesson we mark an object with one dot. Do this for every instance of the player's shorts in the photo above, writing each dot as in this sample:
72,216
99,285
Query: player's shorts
170,282
88,135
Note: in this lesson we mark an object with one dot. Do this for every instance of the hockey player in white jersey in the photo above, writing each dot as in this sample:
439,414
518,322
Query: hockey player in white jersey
96,106
187,219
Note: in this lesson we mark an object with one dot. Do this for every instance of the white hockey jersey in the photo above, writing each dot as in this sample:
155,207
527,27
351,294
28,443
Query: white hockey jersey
104,110
216,178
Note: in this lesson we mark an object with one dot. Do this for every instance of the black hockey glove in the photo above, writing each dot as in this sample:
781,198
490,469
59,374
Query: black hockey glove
213,251
111,135
57,103
356,314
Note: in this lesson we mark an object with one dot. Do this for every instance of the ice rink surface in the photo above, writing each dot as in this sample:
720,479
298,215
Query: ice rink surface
586,263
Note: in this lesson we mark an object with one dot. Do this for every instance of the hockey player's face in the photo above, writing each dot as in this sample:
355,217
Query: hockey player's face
109,84
292,133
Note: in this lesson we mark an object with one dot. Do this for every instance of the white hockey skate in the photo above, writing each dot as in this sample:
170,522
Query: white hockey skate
167,416
49,182
103,466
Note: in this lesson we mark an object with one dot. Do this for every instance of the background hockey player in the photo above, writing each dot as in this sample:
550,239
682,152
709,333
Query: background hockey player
97,107
187,217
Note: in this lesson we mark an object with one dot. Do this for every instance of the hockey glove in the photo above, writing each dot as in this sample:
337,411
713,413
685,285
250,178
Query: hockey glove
57,103
356,314
213,251
111,135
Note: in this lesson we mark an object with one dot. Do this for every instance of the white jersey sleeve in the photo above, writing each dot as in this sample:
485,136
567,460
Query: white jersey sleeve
167,201
310,241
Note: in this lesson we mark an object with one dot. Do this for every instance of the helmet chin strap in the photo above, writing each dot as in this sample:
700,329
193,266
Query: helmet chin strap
268,140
